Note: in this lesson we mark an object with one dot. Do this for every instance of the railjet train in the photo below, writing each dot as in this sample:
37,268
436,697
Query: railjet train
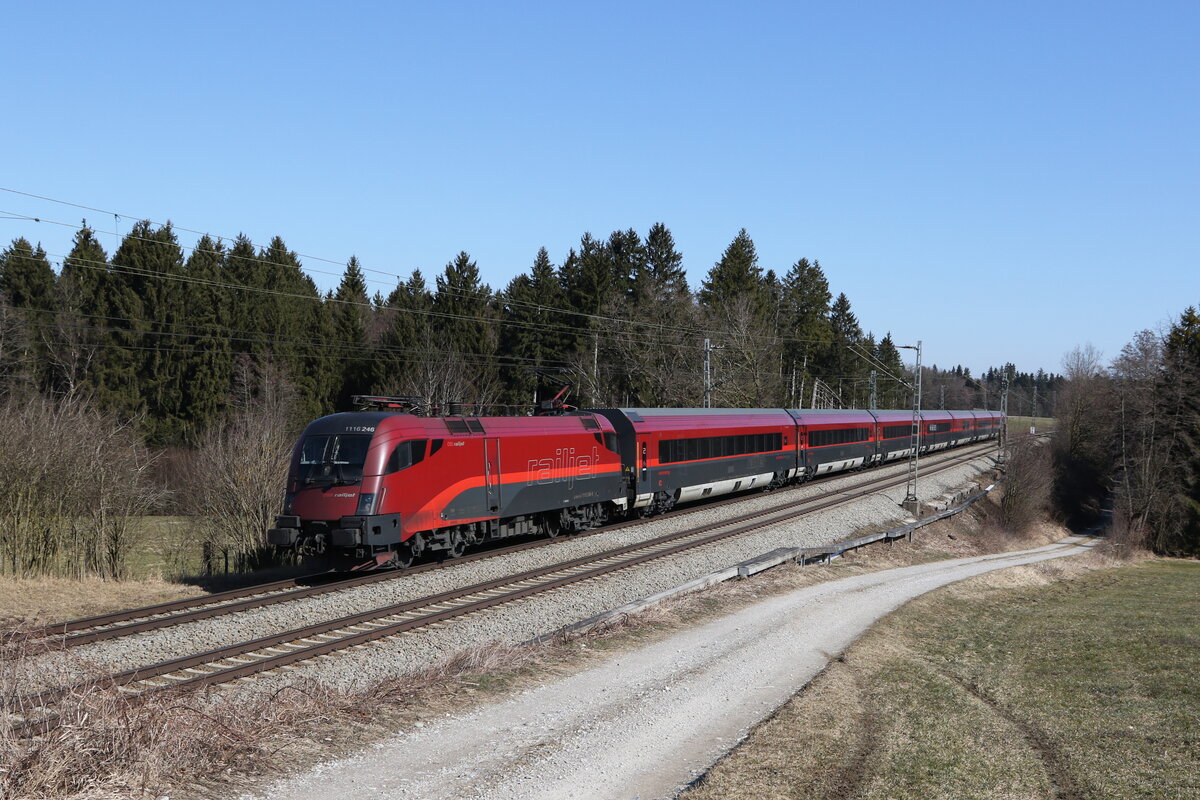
381,487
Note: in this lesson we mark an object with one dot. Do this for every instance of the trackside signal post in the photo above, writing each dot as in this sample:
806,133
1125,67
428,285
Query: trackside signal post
911,502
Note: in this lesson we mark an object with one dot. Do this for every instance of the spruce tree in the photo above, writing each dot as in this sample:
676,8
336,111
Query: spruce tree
351,321
461,307
407,327
657,347
82,289
843,364
588,284
83,273
892,393
529,337
26,277
208,373
247,312
663,266
627,260
739,309
736,275
27,283
319,381
15,353
1176,522
150,263
297,329
804,324
463,312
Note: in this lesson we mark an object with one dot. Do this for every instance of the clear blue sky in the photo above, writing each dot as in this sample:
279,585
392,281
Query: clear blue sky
1001,180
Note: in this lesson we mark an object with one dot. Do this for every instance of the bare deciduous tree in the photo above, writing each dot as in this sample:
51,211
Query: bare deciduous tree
442,378
1029,481
748,366
238,471
76,483
15,357
1083,443
1143,452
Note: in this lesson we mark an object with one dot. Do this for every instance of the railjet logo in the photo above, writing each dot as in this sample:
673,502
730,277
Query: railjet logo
567,466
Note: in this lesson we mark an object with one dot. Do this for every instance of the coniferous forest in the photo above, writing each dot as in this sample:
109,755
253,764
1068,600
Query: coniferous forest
166,337
160,378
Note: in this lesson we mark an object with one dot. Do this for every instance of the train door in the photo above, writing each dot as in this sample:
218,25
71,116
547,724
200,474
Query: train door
491,473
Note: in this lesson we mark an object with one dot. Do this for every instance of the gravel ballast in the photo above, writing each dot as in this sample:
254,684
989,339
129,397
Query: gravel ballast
646,722
534,616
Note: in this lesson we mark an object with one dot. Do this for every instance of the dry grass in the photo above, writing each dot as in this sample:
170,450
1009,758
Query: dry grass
198,744
213,744
1070,678
37,601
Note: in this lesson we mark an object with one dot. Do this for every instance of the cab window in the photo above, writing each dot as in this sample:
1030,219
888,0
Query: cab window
405,455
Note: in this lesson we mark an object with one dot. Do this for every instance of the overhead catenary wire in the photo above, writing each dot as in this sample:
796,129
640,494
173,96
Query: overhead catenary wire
249,338
651,334
189,279
629,336
130,270
482,294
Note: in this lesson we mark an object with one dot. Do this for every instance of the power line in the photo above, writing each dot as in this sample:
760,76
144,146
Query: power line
126,269
647,339
653,335
391,274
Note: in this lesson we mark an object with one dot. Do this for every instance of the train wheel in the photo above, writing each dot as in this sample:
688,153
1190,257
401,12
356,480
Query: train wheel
402,556
458,545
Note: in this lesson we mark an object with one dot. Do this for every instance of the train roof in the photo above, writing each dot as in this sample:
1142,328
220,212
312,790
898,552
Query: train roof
818,416
695,412
368,422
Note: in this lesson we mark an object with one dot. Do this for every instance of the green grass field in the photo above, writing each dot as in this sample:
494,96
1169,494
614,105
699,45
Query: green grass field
1022,424
164,547
1081,688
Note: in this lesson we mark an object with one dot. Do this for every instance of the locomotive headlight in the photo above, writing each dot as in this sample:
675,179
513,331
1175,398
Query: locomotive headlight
288,499
366,504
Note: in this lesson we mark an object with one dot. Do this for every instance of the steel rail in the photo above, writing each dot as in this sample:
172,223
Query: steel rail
104,627
256,655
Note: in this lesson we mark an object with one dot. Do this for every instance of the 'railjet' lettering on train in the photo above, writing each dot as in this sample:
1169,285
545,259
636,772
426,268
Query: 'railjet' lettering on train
566,467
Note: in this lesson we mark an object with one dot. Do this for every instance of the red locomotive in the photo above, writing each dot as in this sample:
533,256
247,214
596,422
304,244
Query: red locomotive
383,486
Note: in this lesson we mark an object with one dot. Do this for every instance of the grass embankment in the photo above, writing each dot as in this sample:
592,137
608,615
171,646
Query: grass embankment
1035,682
211,745
162,552
1018,425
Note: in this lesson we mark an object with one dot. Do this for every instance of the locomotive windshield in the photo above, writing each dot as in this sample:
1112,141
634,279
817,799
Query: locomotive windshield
334,458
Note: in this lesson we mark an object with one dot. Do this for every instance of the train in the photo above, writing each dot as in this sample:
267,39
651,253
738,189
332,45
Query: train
382,486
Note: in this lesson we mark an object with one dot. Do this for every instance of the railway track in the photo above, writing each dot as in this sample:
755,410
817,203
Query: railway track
279,651
149,618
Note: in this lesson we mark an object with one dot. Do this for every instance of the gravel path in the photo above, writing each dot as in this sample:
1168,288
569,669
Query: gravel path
646,723
519,622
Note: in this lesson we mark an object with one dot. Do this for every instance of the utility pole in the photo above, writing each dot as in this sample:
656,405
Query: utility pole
942,399
871,403
1002,442
803,375
911,502
708,384
707,373
1033,411
595,370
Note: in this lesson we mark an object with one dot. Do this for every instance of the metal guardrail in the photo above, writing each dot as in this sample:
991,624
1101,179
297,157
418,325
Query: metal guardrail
828,552
774,558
